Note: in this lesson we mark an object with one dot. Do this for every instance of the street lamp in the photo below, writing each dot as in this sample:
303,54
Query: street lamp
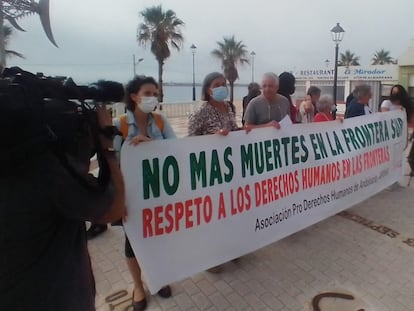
252,54
134,63
337,33
327,63
193,50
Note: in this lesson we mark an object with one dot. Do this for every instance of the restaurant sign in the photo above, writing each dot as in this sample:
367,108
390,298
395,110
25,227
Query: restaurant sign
369,73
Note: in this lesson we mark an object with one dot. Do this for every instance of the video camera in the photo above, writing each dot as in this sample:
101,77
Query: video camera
39,113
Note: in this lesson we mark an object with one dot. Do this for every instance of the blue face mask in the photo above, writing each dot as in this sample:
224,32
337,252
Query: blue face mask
220,93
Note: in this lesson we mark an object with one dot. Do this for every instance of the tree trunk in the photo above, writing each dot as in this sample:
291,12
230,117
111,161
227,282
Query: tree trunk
231,91
160,88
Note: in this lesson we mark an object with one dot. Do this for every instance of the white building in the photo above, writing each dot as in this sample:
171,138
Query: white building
380,77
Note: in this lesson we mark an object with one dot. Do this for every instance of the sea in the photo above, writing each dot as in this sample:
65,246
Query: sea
184,93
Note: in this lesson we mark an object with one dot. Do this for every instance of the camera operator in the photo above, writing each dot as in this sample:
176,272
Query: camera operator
45,263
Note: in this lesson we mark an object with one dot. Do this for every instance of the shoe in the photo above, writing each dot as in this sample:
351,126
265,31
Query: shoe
95,230
117,223
395,187
138,305
165,292
216,269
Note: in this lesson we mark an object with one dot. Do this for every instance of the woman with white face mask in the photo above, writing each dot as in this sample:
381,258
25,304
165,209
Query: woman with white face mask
141,100
142,125
216,115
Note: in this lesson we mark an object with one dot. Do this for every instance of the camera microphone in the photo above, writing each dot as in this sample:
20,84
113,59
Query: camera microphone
106,91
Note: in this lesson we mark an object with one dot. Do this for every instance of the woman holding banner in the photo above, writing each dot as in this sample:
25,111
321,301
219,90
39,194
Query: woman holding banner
139,125
399,99
215,116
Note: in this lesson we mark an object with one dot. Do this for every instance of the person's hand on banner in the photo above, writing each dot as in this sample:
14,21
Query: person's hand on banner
223,132
248,128
136,140
274,124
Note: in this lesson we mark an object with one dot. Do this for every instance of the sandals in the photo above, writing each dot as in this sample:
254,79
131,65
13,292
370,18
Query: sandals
141,305
138,305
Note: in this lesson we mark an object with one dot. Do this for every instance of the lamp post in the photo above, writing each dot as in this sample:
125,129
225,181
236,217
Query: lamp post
193,51
327,63
252,54
134,63
337,33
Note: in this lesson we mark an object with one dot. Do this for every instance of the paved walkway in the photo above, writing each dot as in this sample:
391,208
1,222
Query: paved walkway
367,252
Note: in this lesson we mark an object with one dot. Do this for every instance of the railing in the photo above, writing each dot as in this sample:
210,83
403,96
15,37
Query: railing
175,110
171,110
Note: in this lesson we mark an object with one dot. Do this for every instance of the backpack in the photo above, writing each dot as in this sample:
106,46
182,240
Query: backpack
124,125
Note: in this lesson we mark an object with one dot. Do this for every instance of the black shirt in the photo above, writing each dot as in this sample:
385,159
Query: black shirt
44,261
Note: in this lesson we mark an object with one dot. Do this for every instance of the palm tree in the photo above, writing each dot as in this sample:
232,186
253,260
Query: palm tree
382,57
161,29
348,59
231,53
7,32
12,10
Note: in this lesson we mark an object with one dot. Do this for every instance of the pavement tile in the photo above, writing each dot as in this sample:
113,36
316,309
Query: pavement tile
254,301
237,301
271,301
219,301
202,301
206,287
223,287
184,301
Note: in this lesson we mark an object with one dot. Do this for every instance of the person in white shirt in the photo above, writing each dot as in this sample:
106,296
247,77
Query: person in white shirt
398,99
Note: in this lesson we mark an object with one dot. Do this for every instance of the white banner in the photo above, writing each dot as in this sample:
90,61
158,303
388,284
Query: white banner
197,202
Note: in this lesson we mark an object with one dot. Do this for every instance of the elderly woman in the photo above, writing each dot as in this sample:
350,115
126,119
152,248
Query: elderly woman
324,107
216,115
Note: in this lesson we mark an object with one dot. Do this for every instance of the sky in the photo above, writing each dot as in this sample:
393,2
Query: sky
97,38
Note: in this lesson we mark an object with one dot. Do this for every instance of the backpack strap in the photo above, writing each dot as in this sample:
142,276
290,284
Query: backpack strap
158,121
123,126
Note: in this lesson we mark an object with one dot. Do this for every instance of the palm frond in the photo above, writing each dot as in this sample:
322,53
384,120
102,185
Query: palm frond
7,32
13,53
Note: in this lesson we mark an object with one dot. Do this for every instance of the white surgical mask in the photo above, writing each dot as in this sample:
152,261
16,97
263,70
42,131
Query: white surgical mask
148,103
